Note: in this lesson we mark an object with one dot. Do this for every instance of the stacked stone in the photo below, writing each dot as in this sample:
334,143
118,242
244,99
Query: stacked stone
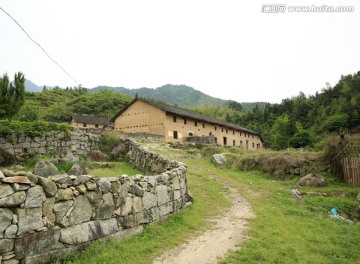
50,143
45,218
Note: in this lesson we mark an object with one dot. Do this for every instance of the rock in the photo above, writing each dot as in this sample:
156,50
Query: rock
149,200
2,175
137,205
61,179
8,173
219,160
137,190
19,167
312,180
90,186
358,196
38,242
6,216
64,195
126,206
81,188
77,170
80,179
94,198
48,211
6,245
45,169
48,256
33,178
5,190
30,219
97,155
35,197
120,150
13,200
80,212
11,231
88,231
60,210
106,207
104,185
162,194
16,179
49,186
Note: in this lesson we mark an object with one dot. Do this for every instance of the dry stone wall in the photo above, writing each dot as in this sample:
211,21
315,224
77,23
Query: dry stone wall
45,218
53,143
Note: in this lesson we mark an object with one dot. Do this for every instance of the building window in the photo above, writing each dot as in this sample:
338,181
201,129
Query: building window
84,125
240,134
222,129
225,141
174,119
234,142
185,121
247,144
233,132
190,134
175,134
227,131
203,125
195,123
253,145
215,140
96,126
215,128
252,136
240,142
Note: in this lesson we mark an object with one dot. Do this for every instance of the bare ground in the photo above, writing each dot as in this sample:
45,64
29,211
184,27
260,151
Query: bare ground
229,231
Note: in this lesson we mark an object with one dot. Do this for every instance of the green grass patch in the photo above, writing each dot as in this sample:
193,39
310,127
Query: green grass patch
31,128
111,169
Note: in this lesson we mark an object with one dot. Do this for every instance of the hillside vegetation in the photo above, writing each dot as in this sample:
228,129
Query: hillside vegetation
60,104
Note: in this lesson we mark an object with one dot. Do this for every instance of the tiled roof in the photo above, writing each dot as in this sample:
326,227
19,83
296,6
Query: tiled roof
186,113
91,120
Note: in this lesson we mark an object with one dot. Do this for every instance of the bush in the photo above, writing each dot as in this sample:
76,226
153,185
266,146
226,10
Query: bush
108,142
6,159
31,128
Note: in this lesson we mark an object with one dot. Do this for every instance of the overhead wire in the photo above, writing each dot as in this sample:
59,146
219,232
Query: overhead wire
47,54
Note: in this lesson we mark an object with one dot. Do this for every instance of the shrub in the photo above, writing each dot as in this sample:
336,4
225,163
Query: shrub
6,159
108,142
31,128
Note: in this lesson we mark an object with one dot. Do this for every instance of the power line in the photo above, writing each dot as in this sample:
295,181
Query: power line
39,45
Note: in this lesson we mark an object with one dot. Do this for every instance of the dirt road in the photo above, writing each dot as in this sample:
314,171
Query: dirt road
209,247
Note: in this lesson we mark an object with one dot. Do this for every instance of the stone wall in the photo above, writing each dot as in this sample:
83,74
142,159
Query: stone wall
53,143
45,218
201,140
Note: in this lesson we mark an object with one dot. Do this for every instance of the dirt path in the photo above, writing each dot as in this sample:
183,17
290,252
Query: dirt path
209,247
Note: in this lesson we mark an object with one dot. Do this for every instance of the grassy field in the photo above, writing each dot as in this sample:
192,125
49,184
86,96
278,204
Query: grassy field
285,230
118,168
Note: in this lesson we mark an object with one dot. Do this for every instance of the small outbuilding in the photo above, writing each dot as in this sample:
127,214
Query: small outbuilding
90,122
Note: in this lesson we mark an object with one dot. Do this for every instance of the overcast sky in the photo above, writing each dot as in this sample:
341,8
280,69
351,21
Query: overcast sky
225,48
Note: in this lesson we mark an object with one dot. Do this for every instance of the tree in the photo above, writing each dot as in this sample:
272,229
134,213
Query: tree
279,131
12,95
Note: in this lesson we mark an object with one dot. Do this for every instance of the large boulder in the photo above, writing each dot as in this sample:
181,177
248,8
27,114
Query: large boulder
45,169
314,180
77,170
219,159
97,155
120,150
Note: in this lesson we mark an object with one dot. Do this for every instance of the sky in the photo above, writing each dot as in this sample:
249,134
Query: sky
224,48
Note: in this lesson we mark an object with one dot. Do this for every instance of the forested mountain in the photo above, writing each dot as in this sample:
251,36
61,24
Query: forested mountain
301,121
180,95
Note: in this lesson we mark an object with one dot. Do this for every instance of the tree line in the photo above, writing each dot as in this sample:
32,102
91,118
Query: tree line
297,122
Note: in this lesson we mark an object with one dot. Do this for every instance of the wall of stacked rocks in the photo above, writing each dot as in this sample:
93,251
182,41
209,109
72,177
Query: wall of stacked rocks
52,143
42,219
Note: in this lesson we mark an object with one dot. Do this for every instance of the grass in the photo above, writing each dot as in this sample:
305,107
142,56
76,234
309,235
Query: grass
118,168
285,230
